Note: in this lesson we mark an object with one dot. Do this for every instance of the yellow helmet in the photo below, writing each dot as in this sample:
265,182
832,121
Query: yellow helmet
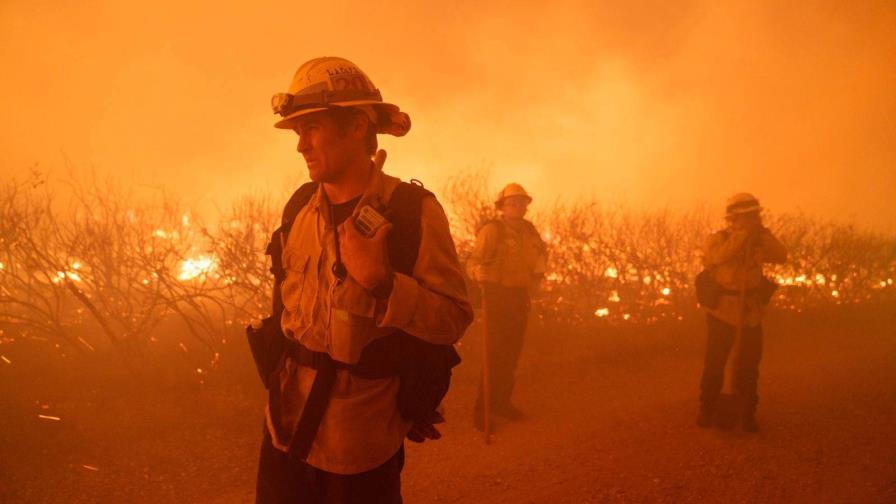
328,82
512,189
741,203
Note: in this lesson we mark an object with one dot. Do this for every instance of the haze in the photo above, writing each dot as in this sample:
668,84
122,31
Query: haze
641,102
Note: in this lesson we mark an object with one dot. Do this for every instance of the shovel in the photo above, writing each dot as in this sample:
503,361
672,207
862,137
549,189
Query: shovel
486,379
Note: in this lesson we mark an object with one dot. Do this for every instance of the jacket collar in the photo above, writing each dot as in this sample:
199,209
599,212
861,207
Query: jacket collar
378,190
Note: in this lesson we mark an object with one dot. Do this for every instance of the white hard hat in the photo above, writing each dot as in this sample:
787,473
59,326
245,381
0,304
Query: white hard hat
742,203
329,82
512,189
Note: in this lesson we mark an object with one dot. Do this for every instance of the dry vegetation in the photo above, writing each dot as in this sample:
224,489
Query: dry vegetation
618,265
102,269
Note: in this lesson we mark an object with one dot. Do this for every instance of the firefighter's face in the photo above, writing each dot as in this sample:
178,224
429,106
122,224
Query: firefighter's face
746,221
514,207
328,149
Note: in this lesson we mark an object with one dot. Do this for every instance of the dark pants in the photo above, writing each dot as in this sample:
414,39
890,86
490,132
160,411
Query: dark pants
720,339
282,480
506,316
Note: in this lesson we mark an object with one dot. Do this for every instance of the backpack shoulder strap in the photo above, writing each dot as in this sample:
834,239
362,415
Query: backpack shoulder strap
404,212
296,202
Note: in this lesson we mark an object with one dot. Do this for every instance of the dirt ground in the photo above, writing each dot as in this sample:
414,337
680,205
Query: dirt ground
610,419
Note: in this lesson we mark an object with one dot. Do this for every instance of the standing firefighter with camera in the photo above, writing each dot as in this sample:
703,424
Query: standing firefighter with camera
369,299
508,261
734,293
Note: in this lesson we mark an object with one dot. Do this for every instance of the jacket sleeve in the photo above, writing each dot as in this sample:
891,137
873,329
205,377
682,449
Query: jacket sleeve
432,304
773,251
484,250
723,246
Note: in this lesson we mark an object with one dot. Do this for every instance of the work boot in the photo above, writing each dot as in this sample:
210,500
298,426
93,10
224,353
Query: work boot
705,417
509,412
748,422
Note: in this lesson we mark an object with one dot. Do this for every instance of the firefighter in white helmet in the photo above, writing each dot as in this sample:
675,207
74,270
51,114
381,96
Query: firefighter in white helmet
365,269
508,261
733,259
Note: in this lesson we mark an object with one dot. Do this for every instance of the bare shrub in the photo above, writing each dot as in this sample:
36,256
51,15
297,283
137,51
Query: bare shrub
35,293
618,265
470,204
129,271
238,242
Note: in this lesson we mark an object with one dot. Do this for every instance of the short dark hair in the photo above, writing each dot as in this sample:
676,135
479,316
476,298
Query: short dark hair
343,116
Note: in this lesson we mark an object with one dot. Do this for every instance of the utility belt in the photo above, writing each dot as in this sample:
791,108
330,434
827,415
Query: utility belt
709,292
367,367
424,370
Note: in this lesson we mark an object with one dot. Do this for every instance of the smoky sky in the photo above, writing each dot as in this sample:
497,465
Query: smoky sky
650,103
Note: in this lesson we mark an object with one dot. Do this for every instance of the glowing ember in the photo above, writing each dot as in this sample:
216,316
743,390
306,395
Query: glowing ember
614,297
602,312
666,291
626,316
48,417
88,345
3,357
835,293
62,275
90,467
611,272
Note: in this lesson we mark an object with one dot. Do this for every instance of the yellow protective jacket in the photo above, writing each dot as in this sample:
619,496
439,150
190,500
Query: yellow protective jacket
735,258
508,253
362,427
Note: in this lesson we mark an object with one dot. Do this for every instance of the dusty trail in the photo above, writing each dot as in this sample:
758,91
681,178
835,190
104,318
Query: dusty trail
611,419
617,425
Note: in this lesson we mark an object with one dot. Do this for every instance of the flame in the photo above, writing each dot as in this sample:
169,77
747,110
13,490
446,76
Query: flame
193,268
